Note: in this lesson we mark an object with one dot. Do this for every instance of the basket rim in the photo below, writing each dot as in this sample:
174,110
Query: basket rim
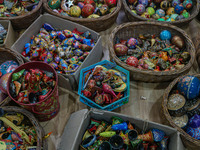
149,72
167,115
33,121
101,18
26,15
194,14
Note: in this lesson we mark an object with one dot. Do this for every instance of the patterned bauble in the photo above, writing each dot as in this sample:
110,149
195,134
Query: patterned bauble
120,49
150,10
170,11
132,61
145,15
165,35
187,4
111,3
140,8
87,10
164,5
143,2
75,11
179,8
155,16
174,16
132,42
90,2
160,12
158,135
54,4
175,2
194,127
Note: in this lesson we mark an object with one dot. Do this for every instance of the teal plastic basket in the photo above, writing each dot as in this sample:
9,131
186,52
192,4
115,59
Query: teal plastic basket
112,106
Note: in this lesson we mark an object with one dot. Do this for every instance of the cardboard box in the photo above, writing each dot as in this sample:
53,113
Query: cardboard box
11,36
94,56
80,120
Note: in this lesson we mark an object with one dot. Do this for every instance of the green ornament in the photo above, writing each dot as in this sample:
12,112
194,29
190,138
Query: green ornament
107,134
54,4
134,11
116,120
151,11
186,15
17,75
161,19
136,142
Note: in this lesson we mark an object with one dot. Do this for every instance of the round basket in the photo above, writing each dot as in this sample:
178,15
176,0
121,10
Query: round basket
133,29
188,141
96,24
5,55
134,17
23,21
41,144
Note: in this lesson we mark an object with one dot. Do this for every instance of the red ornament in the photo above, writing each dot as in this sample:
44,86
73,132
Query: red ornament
87,10
111,3
132,61
90,2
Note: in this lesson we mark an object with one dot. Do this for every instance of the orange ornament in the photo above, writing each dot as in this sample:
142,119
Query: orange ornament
164,56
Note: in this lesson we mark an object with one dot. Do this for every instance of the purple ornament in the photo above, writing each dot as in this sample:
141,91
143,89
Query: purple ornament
132,42
8,67
61,36
80,4
179,8
48,27
54,65
194,127
175,2
158,135
143,2
140,8
57,59
121,126
76,44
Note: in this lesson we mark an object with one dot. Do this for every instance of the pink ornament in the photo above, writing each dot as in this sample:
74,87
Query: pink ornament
108,89
132,61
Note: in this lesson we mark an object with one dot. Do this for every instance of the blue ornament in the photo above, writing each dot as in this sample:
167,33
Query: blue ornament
160,12
121,126
87,35
48,27
175,2
194,127
78,52
179,8
158,135
165,35
189,86
53,34
87,42
61,36
27,47
143,2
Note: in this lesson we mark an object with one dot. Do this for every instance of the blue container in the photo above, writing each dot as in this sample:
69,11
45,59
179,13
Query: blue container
112,106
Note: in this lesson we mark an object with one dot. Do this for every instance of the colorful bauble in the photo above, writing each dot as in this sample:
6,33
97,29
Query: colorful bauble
194,127
179,8
140,8
170,11
160,12
188,4
156,16
132,43
75,11
158,135
87,10
132,61
54,4
180,17
165,35
189,86
81,4
174,16
175,2
150,11
111,3
165,4
3,82
121,49
143,2
170,20
145,15
8,67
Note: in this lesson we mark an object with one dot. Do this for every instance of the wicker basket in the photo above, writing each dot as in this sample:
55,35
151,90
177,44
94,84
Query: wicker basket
134,17
188,141
40,132
96,24
23,21
5,55
128,30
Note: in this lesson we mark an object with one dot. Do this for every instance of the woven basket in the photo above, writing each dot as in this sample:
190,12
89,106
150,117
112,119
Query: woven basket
96,24
188,141
128,30
134,17
5,55
23,21
35,123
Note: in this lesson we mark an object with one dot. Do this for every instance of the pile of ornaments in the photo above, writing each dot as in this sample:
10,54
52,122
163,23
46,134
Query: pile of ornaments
83,8
16,8
6,69
31,86
3,33
64,50
104,86
121,135
184,105
162,10
163,53
16,132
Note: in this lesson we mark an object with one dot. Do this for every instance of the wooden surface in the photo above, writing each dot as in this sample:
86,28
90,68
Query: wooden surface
144,102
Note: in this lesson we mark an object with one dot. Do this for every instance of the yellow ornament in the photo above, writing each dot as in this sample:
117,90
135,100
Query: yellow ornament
75,11
170,11
93,16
